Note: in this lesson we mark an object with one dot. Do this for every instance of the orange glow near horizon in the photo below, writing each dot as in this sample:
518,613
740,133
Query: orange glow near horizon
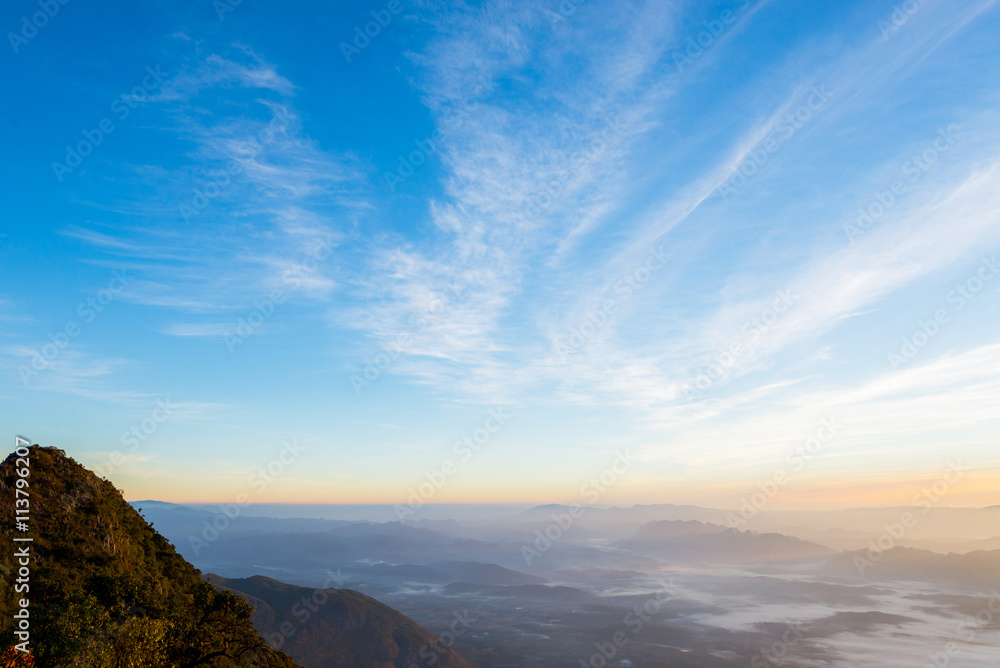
973,489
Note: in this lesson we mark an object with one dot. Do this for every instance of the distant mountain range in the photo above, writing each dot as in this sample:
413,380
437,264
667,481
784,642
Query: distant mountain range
979,570
705,542
379,552
443,572
941,528
365,551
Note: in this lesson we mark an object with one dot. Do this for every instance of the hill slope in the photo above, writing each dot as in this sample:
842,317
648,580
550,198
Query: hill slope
321,628
697,541
979,569
108,590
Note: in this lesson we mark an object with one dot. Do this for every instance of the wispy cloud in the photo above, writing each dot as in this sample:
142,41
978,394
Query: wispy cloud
198,329
927,412
254,199
483,249
569,147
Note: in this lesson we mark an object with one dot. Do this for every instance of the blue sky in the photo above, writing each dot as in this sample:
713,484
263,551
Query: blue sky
623,228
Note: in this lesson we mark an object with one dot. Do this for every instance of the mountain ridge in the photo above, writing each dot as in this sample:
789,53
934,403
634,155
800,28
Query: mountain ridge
979,568
693,540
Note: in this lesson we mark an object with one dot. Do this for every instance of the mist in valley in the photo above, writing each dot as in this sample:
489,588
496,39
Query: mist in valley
659,585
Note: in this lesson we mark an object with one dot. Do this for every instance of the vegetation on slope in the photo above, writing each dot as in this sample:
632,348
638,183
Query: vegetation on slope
106,589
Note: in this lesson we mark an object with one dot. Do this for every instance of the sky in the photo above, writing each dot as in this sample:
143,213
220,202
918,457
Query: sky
423,253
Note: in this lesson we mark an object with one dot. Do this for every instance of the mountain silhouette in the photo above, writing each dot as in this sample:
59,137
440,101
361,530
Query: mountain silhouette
713,543
979,569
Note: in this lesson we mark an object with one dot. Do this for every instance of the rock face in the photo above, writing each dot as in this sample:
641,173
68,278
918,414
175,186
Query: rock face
338,628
